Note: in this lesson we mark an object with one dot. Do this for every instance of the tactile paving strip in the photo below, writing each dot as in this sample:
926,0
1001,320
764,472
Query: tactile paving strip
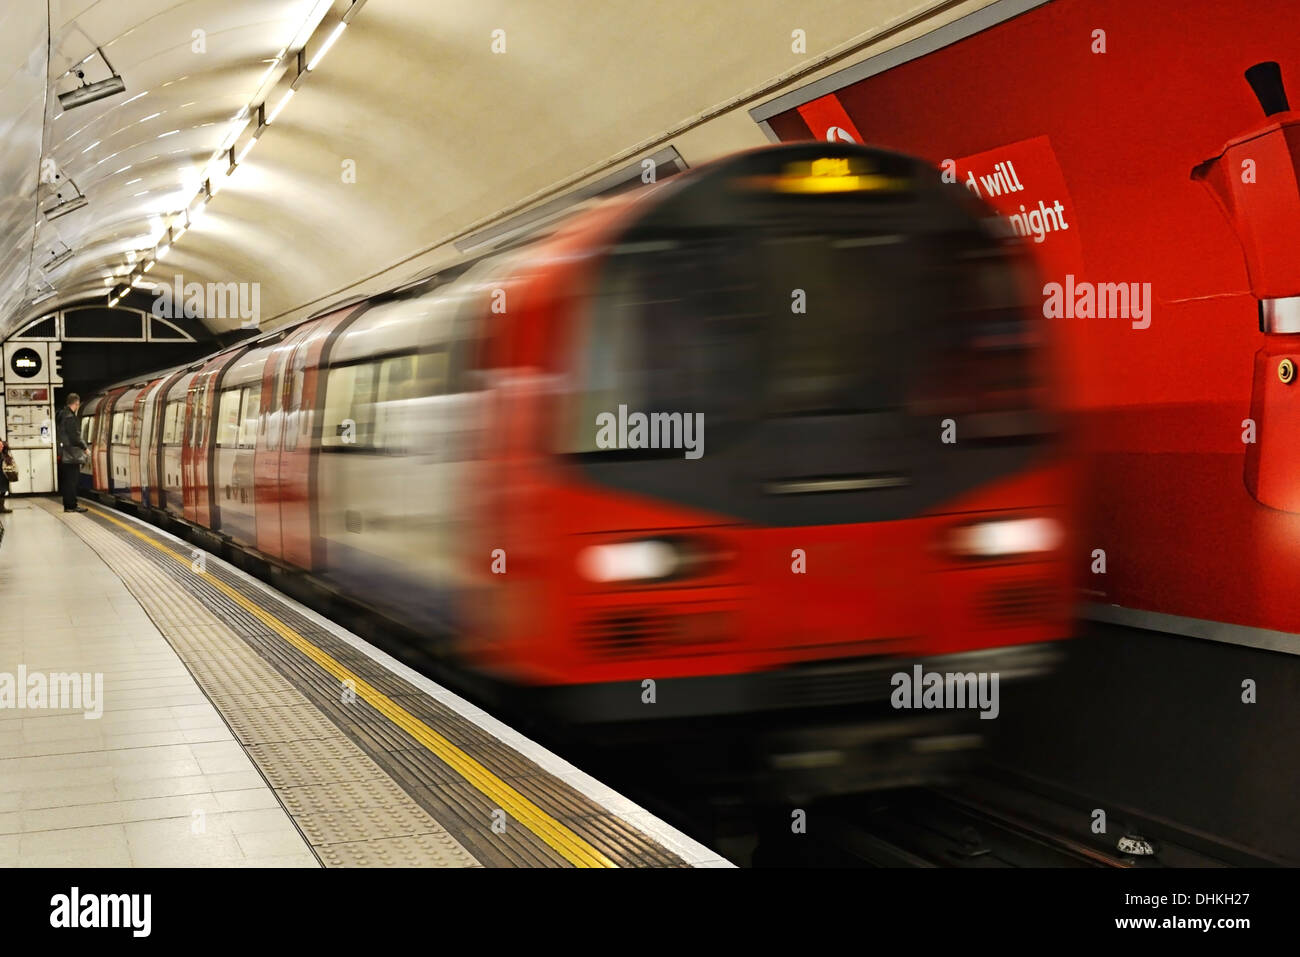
293,764
464,809
292,743
342,795
396,852
440,791
278,724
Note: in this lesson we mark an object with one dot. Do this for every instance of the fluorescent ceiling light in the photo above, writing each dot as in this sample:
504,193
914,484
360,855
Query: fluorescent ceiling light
92,92
310,24
57,260
64,204
329,42
270,117
61,207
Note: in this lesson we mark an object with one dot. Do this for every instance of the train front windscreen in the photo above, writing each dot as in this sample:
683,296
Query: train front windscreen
854,355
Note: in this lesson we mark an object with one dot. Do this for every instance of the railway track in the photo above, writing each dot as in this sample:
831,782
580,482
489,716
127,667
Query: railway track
998,820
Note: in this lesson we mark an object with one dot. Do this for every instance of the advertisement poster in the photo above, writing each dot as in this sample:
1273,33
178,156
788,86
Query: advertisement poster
1148,154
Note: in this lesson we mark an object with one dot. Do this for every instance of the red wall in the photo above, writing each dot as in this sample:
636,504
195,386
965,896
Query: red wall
1114,136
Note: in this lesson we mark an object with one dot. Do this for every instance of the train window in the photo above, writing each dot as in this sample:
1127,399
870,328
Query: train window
676,328
228,418
169,422
704,324
249,417
296,415
396,379
398,386
86,431
128,425
191,417
115,432
275,411
203,416
182,421
349,406
432,371
849,354
465,369
338,407
153,420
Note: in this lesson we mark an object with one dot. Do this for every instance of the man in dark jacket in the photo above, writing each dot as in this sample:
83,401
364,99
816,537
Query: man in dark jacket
72,452
6,459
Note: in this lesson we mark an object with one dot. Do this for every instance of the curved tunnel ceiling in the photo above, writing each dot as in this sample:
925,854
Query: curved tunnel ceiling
418,124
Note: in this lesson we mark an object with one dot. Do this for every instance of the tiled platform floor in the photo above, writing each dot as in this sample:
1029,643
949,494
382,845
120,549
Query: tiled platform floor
158,780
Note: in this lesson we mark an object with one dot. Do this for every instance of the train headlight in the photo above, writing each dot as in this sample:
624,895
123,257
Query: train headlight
1003,538
646,560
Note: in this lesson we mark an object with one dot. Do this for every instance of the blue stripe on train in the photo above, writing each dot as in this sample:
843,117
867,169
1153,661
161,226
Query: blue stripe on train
386,584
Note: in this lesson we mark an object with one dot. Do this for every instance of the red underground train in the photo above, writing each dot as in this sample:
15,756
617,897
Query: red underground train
762,434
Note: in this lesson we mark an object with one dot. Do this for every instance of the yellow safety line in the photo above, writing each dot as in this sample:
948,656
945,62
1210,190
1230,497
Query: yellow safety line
571,846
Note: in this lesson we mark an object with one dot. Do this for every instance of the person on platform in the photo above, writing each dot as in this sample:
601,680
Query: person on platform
7,463
72,452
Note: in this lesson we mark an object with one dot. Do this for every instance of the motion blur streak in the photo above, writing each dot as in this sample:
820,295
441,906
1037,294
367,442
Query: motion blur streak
498,456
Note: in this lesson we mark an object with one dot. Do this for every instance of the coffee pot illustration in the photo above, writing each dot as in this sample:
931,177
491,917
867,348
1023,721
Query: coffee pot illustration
1255,179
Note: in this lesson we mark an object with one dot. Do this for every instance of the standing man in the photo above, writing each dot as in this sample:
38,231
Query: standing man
72,452
6,466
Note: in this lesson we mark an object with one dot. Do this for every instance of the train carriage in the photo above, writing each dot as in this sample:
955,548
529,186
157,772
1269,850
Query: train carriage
785,417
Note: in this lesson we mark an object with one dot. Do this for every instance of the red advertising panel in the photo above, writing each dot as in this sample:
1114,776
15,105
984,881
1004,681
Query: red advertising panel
1148,154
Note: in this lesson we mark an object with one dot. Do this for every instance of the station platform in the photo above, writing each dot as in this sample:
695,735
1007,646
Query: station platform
166,709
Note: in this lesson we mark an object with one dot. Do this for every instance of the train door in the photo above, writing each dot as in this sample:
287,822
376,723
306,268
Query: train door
196,421
150,439
202,452
134,459
100,471
88,423
305,391
266,460
122,426
171,457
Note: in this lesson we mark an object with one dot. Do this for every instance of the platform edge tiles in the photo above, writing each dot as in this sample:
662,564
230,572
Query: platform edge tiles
461,766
